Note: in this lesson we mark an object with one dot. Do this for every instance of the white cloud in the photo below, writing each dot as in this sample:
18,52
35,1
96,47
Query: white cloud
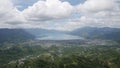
54,14
47,10
96,6
94,13
9,13
102,13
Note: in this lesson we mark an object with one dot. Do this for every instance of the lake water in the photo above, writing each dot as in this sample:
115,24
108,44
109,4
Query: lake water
59,37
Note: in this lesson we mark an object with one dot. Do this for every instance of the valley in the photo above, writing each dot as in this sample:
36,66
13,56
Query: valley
60,54
40,48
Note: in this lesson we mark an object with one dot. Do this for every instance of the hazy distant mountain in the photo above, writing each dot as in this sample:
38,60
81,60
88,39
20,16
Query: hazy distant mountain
105,33
44,32
86,32
13,35
98,33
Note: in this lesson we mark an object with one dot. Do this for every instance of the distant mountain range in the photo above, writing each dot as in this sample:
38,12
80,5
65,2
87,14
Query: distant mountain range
37,32
98,33
86,32
14,35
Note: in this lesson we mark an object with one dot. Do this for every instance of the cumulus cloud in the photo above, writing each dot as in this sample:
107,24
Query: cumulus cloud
47,10
9,13
60,15
96,6
103,13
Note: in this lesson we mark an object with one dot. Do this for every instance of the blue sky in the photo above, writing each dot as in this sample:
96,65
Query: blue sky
59,14
25,3
75,2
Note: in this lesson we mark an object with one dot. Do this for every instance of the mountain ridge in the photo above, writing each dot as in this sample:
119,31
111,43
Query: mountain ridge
105,33
14,35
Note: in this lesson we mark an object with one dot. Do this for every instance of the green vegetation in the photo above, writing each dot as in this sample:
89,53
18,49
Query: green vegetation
48,54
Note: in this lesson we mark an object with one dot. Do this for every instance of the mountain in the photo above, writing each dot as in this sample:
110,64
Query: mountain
14,35
105,33
98,33
45,34
37,32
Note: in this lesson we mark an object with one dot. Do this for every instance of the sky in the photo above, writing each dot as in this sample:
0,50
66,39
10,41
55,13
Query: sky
63,15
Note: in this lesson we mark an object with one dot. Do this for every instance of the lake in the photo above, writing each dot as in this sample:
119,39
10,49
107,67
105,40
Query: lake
59,37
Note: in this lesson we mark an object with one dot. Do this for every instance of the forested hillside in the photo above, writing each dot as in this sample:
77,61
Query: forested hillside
57,54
